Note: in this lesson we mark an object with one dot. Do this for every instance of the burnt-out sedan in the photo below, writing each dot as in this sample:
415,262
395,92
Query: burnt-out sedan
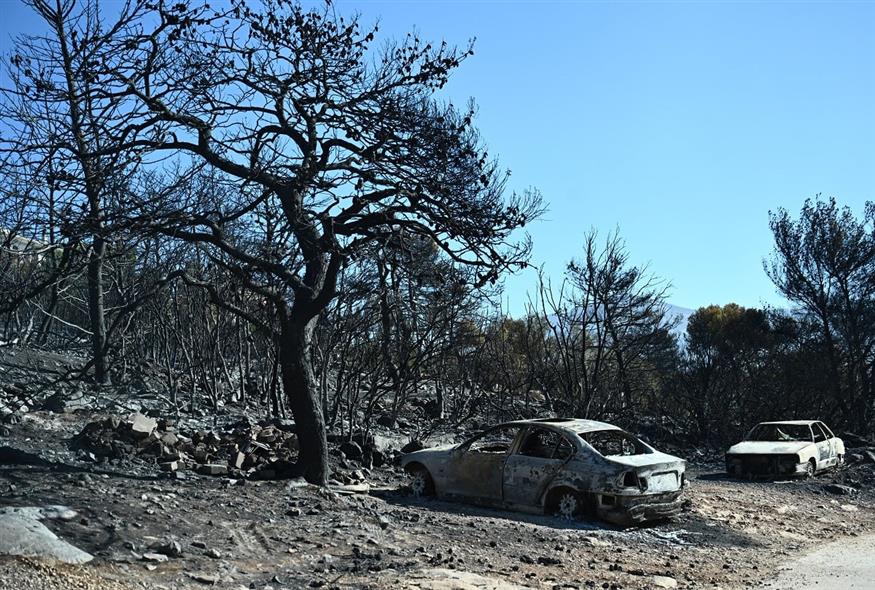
574,468
791,447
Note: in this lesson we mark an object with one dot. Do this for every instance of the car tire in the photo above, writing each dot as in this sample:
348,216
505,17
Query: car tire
570,505
811,469
421,483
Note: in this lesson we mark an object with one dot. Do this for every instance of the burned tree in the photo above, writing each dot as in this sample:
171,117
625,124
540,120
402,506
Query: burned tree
609,326
66,140
325,145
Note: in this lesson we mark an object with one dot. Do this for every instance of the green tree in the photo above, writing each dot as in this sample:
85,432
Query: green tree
824,262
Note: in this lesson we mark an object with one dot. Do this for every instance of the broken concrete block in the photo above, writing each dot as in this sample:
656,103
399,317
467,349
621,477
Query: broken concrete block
142,426
268,435
169,466
169,439
213,469
200,454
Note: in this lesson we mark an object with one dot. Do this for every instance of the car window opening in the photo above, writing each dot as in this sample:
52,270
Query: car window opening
496,441
614,443
545,444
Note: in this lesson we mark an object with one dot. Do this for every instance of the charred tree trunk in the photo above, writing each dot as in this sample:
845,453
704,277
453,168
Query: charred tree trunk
302,394
96,309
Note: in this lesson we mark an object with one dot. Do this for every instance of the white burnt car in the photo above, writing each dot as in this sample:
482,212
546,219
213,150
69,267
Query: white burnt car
794,447
559,466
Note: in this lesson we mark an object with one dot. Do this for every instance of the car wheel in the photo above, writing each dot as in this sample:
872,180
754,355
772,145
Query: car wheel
421,483
569,505
811,469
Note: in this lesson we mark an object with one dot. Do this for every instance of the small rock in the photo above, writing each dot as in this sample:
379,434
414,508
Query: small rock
205,579
664,582
386,420
834,488
169,548
352,450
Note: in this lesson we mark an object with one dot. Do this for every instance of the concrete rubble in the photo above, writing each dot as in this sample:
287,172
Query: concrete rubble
244,449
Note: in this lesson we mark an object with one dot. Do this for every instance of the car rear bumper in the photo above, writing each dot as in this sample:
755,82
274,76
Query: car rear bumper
629,510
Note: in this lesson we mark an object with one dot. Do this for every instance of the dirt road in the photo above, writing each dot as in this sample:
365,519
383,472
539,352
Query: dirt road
844,565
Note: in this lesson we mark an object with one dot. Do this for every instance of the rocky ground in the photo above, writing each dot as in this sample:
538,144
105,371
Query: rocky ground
150,525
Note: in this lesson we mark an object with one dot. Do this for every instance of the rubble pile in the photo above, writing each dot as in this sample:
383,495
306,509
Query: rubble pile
244,449
264,451
14,403
859,470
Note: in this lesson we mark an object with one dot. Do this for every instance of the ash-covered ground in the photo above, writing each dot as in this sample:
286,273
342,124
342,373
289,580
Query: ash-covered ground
173,502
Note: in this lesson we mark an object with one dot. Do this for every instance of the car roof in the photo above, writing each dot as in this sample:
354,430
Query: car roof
573,425
796,422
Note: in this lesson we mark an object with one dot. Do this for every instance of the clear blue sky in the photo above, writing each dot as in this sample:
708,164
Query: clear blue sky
681,123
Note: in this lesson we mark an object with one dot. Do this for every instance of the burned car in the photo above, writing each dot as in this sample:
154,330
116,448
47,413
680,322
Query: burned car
574,468
794,447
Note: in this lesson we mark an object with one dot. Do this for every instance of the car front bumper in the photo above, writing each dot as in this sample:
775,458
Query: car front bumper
764,465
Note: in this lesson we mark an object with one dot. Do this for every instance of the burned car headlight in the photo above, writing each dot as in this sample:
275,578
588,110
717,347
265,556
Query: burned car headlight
630,479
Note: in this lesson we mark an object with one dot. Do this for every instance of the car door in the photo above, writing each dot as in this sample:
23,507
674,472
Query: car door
825,452
832,456
475,473
536,461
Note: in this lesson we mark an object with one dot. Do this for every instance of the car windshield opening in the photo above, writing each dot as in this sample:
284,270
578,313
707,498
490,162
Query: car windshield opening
612,443
780,433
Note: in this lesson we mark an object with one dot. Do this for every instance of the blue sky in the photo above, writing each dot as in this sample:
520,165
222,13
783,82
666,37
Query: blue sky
681,123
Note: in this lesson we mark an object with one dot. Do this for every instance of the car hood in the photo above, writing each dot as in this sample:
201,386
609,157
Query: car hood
764,447
655,459
442,451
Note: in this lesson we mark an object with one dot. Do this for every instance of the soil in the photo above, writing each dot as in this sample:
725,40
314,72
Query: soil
226,532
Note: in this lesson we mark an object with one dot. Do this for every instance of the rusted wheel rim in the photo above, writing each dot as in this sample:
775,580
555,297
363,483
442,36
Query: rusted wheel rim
810,469
568,505
419,483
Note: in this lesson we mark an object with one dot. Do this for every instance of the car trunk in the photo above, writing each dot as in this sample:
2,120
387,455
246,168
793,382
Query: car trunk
656,472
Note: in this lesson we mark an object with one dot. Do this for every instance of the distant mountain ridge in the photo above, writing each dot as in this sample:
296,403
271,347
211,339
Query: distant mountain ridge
682,314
